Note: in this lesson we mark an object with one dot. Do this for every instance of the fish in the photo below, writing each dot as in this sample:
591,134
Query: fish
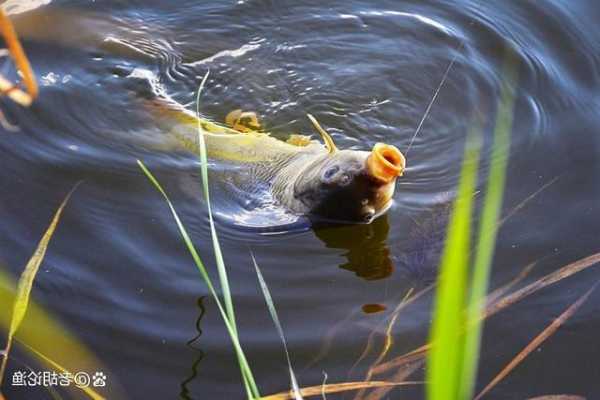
305,176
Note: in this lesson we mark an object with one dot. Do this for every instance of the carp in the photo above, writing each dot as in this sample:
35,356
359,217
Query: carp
305,176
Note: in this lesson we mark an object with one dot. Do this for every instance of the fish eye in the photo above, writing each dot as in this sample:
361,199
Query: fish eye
330,172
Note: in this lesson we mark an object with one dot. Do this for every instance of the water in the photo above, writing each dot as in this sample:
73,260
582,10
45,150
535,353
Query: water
117,273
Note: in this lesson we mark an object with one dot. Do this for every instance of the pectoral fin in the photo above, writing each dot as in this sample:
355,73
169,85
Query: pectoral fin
329,143
243,121
298,140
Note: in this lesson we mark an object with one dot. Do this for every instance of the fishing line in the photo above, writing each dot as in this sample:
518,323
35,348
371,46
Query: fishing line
435,95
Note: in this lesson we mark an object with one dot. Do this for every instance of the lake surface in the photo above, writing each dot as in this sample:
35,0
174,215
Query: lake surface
119,277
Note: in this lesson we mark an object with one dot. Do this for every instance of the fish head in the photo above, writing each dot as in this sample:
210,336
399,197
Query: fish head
349,185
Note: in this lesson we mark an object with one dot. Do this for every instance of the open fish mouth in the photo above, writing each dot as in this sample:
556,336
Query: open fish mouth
385,163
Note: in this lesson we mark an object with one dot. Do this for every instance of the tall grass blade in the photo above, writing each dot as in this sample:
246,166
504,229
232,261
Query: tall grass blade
445,363
273,312
221,269
249,382
488,227
537,341
26,282
215,238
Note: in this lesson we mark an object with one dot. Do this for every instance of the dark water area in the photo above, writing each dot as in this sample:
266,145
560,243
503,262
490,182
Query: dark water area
117,274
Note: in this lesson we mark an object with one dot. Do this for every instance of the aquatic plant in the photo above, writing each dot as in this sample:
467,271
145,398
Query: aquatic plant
33,327
15,49
461,305
250,385
26,282
273,312
460,296
227,310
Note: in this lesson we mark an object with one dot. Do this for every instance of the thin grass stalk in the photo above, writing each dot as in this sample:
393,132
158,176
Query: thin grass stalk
537,341
389,339
407,300
505,302
215,238
244,366
400,376
221,269
319,390
273,312
488,228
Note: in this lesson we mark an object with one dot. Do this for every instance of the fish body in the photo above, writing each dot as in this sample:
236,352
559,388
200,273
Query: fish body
303,175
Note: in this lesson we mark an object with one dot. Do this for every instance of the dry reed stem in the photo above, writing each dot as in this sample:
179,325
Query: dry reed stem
503,303
537,341
502,290
337,388
389,340
399,376
16,51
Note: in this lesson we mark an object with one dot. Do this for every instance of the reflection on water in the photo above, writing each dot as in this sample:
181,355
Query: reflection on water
373,308
185,393
365,247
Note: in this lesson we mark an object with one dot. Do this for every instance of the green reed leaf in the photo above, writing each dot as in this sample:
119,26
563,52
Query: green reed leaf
460,301
488,226
244,366
271,306
249,383
26,280
445,361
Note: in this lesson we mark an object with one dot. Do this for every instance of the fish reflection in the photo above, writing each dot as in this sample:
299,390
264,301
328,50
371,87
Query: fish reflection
367,252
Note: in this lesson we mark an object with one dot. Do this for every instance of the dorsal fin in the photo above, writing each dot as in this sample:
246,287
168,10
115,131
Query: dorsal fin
329,143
